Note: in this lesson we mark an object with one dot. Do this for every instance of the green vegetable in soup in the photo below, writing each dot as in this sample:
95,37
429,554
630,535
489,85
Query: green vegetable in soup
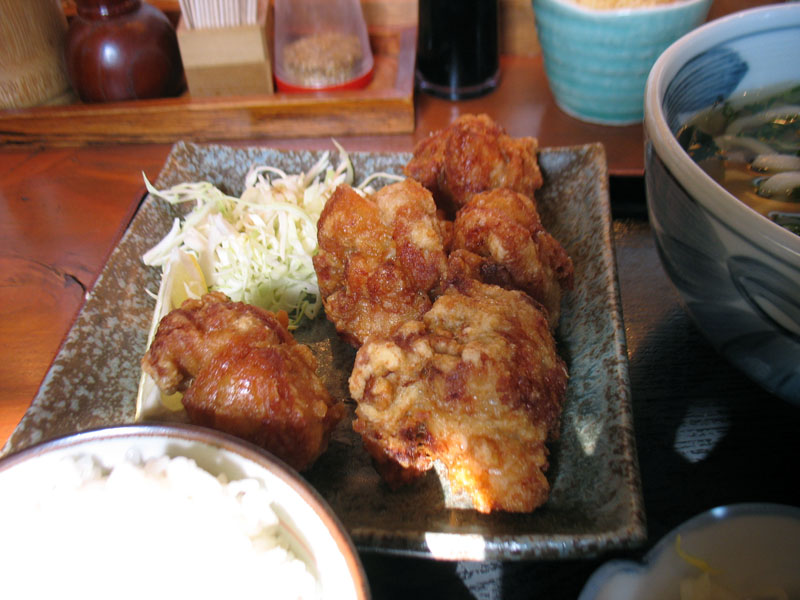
790,221
783,98
699,144
752,148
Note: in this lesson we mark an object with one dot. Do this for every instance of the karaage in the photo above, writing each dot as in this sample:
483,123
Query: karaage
504,228
474,154
476,386
242,372
380,258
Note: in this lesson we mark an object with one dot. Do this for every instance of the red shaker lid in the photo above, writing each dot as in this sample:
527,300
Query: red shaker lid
321,45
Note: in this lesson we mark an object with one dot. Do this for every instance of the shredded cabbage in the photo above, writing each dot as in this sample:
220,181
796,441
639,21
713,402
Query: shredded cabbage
258,248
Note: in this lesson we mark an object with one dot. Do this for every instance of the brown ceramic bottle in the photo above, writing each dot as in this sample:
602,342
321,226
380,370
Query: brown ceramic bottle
122,50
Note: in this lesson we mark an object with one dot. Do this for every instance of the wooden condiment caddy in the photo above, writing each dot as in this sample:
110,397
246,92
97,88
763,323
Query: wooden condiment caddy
385,106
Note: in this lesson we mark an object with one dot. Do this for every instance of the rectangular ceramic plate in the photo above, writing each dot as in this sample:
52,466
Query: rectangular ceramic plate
596,502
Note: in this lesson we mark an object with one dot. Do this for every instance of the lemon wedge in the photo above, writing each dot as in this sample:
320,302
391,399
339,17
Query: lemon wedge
187,279
173,401
184,279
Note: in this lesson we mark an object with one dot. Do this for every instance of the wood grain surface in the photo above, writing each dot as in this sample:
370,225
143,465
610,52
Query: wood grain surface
386,105
61,213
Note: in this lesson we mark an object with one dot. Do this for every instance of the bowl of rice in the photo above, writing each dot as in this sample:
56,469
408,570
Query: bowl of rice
598,53
167,510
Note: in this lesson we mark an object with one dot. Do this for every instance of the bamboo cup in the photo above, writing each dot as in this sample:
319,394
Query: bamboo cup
32,70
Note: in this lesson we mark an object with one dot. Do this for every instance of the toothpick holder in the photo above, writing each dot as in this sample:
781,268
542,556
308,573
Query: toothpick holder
227,61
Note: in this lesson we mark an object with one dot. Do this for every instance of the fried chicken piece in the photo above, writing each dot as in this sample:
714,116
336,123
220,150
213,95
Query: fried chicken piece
380,259
421,234
504,228
188,337
471,155
269,396
476,386
242,372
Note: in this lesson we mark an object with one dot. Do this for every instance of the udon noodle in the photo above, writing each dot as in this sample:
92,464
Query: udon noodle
752,148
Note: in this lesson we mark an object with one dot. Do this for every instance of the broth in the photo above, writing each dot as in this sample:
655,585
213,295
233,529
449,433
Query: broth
751,146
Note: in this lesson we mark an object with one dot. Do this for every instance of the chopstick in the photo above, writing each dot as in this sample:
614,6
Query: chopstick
214,14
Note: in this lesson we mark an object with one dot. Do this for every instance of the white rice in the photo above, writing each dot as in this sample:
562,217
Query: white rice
158,529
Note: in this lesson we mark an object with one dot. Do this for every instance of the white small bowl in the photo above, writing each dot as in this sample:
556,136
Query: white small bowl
753,546
314,533
738,273
597,60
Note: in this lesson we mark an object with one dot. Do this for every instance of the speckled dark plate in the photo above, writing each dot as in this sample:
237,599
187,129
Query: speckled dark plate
596,502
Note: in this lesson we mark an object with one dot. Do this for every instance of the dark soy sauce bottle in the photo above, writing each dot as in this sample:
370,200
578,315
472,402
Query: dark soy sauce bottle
458,48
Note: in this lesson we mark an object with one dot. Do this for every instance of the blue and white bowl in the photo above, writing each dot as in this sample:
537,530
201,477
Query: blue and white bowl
737,272
752,548
597,60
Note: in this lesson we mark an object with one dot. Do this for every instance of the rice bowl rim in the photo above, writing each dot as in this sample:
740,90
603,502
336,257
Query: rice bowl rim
218,442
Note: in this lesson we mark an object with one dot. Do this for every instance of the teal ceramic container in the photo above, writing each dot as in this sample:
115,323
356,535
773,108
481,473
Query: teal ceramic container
597,60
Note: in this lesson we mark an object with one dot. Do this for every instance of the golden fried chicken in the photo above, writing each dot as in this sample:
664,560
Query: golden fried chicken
189,337
380,258
471,155
420,233
242,372
504,228
269,396
476,386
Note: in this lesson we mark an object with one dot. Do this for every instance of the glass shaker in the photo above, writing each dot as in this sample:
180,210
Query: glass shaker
321,45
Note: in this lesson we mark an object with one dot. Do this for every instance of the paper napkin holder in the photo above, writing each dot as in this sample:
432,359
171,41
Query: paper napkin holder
227,61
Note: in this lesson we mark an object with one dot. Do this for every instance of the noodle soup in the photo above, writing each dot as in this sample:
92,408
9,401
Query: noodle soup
752,148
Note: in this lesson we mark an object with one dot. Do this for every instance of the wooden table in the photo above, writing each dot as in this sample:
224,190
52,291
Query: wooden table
706,435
